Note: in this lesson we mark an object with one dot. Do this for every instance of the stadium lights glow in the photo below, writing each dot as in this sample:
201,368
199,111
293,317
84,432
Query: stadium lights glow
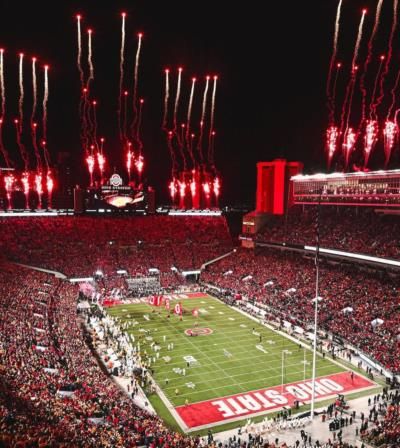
195,213
21,214
194,272
320,176
377,260
81,279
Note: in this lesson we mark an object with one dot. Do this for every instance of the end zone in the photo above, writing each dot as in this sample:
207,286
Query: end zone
237,407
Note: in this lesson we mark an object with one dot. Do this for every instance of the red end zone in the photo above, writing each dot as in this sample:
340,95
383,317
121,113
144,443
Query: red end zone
244,405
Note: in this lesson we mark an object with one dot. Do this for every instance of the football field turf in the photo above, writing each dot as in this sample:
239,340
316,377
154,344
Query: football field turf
236,355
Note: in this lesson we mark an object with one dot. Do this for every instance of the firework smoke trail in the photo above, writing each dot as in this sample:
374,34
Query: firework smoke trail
3,109
333,58
90,61
166,98
2,86
333,98
33,124
389,57
189,113
372,110
138,124
21,147
359,37
368,60
135,83
178,93
175,126
44,125
351,83
21,92
210,149
79,56
121,74
203,114
350,103
45,100
94,104
172,152
393,95
125,111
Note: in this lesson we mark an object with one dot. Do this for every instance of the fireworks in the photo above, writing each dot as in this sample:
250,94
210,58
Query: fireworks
370,138
26,187
217,187
210,136
39,187
9,182
90,161
21,92
121,73
390,133
332,135
348,144
45,100
139,164
172,189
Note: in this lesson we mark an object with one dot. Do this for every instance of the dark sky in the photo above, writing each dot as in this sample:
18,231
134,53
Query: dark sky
271,58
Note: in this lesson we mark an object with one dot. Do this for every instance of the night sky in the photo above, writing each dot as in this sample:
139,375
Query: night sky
271,58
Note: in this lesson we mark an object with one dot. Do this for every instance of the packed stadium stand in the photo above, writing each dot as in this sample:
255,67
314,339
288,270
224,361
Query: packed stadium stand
80,245
352,229
53,391
285,282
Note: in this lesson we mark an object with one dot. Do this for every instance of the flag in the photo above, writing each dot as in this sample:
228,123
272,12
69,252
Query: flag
156,300
195,312
167,304
178,309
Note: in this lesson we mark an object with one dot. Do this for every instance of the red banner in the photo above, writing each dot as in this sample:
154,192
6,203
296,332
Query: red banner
240,406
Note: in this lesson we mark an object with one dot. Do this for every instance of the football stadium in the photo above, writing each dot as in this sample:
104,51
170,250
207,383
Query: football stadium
159,290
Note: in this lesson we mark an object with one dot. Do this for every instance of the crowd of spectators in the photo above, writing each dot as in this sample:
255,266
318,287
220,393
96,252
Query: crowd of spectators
52,390
384,432
362,308
76,246
359,230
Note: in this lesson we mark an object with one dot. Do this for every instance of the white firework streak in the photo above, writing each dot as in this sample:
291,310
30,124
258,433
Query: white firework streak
21,91
34,90
189,114
90,62
2,87
359,36
136,69
166,98
178,93
79,57
45,99
121,72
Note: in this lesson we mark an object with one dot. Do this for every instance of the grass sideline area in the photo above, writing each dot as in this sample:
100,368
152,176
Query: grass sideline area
239,355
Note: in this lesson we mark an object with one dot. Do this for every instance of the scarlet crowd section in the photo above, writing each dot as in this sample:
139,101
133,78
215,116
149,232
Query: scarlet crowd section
78,246
44,358
269,277
356,230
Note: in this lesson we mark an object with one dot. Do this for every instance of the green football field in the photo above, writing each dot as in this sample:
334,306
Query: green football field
239,355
